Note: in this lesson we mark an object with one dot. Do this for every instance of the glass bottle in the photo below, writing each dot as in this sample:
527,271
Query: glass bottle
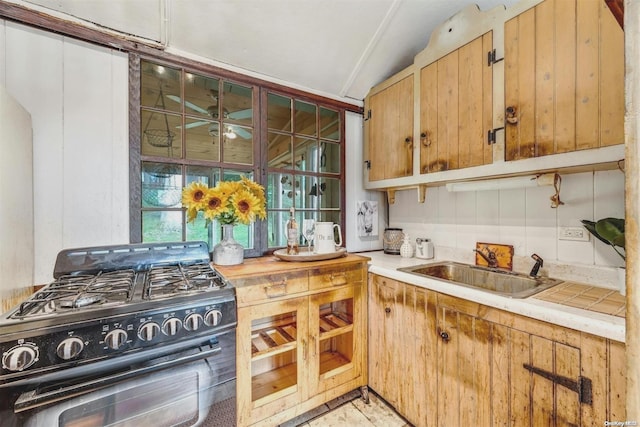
292,233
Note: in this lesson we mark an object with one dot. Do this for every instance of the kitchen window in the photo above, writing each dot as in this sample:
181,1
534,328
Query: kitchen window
188,125
304,163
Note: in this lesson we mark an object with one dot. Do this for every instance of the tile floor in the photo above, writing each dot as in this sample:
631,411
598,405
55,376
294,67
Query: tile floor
350,410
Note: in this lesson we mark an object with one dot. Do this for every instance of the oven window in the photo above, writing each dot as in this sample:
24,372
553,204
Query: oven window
164,402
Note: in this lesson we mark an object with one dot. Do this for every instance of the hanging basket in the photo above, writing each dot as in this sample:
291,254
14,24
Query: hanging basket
159,137
159,196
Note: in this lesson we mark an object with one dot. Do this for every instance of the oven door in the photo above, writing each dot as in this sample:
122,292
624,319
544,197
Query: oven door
175,390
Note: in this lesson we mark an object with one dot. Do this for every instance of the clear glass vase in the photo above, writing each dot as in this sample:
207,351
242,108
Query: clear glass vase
228,251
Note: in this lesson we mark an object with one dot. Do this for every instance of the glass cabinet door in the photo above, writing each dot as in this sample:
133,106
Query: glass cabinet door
276,364
335,334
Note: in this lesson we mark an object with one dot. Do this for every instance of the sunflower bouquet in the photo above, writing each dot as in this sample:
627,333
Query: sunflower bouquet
229,202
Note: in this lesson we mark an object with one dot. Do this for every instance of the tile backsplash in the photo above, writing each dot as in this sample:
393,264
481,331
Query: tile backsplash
522,218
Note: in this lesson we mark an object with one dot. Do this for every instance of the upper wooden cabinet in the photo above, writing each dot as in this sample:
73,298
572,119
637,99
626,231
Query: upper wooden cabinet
390,131
456,110
564,79
537,87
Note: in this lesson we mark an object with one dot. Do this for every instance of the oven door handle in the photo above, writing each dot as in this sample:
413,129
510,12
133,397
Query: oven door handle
33,399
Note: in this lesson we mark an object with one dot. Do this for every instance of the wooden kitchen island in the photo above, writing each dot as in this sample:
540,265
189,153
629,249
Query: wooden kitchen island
301,336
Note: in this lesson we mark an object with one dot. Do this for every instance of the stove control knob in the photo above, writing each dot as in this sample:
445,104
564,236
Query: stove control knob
171,326
213,317
148,331
20,357
116,339
193,322
70,348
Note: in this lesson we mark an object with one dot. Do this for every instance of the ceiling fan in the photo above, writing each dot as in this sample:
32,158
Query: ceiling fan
212,111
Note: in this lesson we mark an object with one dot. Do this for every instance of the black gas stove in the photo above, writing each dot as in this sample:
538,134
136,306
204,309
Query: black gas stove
112,306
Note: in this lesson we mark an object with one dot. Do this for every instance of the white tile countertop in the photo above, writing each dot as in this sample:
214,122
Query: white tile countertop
604,325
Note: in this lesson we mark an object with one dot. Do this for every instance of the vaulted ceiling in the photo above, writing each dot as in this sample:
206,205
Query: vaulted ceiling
336,48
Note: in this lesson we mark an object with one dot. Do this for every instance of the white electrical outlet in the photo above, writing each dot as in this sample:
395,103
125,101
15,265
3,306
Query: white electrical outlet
579,234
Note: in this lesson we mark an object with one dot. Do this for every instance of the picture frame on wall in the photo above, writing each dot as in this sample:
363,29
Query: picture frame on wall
367,218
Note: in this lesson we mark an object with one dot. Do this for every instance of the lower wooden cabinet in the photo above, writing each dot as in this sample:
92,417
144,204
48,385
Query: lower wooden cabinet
441,360
301,336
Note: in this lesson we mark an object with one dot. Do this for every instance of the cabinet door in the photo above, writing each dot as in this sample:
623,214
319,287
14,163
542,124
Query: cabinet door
402,348
385,296
564,79
456,110
336,335
464,370
390,130
272,350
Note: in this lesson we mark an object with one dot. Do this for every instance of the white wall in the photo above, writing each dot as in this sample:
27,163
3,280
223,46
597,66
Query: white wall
16,188
354,188
522,218
77,95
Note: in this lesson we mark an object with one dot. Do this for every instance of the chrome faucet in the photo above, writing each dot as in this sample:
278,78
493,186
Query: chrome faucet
491,258
537,265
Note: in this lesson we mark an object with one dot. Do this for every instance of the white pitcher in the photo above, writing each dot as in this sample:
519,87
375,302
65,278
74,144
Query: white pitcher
324,237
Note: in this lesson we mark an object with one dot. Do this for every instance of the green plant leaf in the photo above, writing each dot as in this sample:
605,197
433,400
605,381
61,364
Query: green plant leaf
612,230
591,227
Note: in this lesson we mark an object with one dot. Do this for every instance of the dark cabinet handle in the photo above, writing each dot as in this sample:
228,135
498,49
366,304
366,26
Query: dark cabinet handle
424,138
387,310
408,140
445,336
511,115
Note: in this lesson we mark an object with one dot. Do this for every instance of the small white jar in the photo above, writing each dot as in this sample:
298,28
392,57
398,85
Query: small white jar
406,250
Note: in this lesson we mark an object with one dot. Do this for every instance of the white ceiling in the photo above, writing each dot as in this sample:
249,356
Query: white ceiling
336,48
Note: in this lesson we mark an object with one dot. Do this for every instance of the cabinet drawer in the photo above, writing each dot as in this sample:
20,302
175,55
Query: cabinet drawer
339,275
271,286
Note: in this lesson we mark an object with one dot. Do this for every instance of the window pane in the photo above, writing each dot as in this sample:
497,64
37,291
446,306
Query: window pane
160,134
201,96
276,223
329,157
306,154
238,104
162,226
307,197
279,112
236,175
330,197
238,144
161,185
198,230
160,87
203,174
331,216
202,139
280,191
329,124
305,118
279,150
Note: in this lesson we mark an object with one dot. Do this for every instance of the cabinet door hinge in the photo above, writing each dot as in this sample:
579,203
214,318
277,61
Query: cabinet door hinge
491,135
368,163
491,58
368,115
582,385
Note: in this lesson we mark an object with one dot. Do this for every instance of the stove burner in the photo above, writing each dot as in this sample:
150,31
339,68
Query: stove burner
163,281
75,292
80,301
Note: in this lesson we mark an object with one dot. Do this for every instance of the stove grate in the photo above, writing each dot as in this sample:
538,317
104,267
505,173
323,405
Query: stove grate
171,280
74,292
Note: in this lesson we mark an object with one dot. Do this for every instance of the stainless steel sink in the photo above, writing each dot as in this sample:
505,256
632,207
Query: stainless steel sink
500,282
